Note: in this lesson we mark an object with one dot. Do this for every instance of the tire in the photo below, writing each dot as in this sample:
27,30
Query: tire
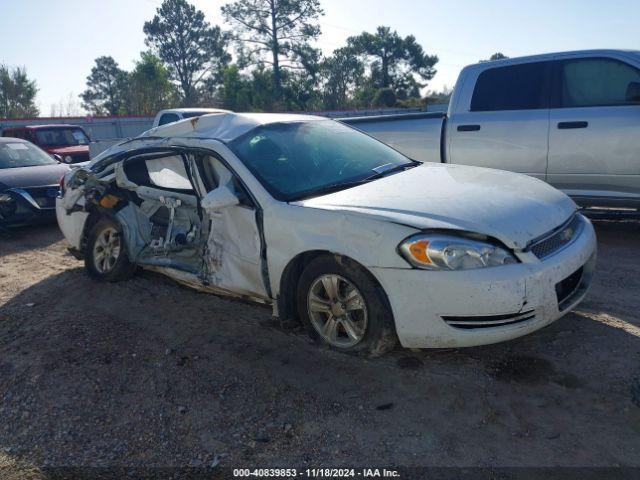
362,319
117,267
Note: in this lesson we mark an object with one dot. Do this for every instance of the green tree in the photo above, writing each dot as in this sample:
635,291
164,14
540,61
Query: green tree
384,97
276,33
236,90
195,50
495,56
17,93
340,73
107,87
150,87
393,61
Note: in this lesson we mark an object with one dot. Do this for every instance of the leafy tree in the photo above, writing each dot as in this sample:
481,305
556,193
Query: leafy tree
193,49
106,88
276,33
495,56
384,97
442,96
17,93
262,98
150,87
393,61
340,73
236,90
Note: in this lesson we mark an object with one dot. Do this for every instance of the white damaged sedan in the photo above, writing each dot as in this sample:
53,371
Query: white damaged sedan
331,226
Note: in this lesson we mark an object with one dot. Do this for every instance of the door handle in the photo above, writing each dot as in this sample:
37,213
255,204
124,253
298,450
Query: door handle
468,128
568,125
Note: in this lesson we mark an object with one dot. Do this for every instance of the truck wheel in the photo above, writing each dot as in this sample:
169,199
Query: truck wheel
342,306
106,259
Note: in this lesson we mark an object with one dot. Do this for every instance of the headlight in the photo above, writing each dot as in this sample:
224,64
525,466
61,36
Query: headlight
68,159
449,252
7,206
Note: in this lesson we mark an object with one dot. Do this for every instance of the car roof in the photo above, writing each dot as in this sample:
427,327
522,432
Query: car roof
12,140
225,126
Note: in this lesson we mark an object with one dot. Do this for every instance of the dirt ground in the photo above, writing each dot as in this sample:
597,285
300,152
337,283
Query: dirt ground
149,373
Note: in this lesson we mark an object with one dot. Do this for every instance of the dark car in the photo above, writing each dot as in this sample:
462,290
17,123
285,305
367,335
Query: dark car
69,143
29,183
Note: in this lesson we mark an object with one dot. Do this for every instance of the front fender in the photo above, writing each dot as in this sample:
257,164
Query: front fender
291,230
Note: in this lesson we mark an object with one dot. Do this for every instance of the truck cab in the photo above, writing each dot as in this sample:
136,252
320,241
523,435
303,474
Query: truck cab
571,119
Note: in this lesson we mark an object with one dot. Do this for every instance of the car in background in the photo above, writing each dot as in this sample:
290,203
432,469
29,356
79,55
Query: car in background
571,119
176,114
328,225
68,143
29,182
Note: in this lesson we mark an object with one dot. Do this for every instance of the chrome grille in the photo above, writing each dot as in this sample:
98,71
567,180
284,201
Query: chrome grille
558,239
487,321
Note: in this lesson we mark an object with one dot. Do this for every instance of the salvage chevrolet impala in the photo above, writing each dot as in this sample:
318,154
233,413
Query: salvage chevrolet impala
326,224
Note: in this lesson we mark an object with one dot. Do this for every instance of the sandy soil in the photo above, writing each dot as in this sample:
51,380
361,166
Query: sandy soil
149,373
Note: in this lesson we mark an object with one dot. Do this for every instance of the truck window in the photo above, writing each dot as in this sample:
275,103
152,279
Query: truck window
593,82
168,118
516,87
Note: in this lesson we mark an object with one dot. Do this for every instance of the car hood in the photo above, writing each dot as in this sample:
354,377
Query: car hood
68,150
41,175
511,207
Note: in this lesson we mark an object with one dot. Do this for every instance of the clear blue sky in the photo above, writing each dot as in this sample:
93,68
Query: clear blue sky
57,41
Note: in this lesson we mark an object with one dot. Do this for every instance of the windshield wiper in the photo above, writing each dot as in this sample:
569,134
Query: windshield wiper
381,171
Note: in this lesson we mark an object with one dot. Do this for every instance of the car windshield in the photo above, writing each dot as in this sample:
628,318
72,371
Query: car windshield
22,154
61,137
298,160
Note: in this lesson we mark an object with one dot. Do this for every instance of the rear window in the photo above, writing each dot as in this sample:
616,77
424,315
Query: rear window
516,87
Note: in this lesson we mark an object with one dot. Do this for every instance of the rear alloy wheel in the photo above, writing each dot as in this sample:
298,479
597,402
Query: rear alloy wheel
343,307
106,259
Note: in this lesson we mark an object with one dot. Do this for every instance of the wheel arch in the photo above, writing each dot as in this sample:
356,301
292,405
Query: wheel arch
95,215
286,299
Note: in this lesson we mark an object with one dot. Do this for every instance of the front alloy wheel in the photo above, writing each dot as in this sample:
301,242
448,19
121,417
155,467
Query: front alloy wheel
343,306
106,250
106,258
337,311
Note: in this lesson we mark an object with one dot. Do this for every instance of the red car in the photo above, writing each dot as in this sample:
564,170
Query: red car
68,143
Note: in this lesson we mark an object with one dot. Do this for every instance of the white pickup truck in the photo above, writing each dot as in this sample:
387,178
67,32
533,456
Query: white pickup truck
571,119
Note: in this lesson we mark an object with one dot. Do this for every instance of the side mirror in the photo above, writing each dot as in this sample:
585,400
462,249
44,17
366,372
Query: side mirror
220,198
57,157
633,92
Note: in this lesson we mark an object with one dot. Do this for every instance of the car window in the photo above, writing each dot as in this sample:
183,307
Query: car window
298,159
61,137
168,118
516,87
168,172
22,154
193,114
12,133
214,174
594,82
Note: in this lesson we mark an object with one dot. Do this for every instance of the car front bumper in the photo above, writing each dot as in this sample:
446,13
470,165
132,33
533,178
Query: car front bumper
437,309
26,206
